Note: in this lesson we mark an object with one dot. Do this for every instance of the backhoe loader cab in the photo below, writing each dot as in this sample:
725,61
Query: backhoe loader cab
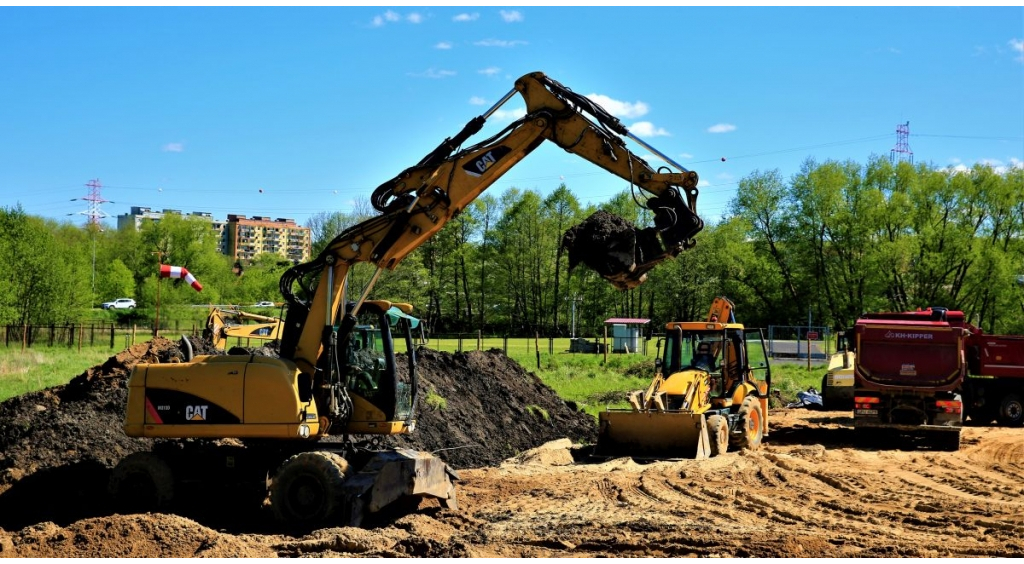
709,394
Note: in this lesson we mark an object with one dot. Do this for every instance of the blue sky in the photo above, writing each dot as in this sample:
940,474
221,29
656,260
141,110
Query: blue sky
201,108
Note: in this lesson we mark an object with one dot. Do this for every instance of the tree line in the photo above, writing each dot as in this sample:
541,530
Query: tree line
833,241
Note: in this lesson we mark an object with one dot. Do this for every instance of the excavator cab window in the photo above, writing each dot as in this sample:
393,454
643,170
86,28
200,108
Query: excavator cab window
366,362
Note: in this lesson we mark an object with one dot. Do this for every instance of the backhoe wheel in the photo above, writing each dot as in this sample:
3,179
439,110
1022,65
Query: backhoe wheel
1011,411
718,432
308,487
749,433
142,482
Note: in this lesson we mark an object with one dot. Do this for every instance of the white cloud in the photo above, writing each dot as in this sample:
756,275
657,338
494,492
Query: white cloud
647,129
1018,46
619,109
443,45
489,71
998,166
415,18
685,156
173,148
509,114
477,101
722,128
511,16
466,17
500,43
388,17
433,73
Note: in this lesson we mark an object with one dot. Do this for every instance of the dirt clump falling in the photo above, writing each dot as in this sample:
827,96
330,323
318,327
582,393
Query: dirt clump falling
604,242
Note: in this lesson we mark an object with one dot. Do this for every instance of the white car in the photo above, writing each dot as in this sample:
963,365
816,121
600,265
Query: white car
119,303
265,304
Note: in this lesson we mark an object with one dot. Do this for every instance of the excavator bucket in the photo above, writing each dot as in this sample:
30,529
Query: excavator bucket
623,254
396,474
654,434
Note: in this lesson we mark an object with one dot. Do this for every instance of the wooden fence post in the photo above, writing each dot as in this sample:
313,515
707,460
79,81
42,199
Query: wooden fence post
606,344
134,327
479,340
536,342
24,336
111,335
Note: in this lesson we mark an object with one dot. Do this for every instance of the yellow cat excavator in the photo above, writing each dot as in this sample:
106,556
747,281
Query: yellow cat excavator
285,410
706,395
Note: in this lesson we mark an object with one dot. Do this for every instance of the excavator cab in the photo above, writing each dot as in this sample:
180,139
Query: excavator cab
380,390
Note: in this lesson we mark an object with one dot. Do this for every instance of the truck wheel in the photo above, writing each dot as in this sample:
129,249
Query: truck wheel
141,482
946,441
748,435
1011,411
308,487
718,432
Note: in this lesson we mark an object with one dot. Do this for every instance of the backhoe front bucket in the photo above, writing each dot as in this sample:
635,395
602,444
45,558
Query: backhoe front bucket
653,434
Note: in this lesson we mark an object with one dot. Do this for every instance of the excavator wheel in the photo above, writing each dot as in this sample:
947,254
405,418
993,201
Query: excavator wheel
308,487
749,433
141,482
718,433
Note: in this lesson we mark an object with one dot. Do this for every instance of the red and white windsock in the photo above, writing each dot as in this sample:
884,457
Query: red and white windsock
167,271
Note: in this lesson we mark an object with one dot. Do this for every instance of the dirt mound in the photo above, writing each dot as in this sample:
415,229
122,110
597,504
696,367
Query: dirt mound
480,407
57,445
128,536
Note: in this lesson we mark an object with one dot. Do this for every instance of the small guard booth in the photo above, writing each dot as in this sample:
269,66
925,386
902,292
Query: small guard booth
626,332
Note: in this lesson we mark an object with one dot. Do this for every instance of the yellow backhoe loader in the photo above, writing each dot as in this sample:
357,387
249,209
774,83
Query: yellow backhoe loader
284,409
223,324
706,396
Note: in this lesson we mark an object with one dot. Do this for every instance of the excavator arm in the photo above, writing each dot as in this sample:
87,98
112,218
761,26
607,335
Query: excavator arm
418,202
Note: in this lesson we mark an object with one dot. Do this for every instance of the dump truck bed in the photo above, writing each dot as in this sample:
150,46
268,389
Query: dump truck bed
909,354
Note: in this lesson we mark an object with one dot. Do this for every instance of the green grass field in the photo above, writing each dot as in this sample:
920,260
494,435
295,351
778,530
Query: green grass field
585,379
43,367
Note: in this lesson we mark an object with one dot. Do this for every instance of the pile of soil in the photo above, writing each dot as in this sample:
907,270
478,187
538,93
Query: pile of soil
58,446
485,408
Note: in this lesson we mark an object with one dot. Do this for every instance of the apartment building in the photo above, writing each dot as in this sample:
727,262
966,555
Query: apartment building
248,237
239,237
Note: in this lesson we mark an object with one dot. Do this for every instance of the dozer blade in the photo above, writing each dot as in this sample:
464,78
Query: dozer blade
396,474
642,434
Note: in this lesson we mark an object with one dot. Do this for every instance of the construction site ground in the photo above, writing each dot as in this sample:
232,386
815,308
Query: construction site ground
528,487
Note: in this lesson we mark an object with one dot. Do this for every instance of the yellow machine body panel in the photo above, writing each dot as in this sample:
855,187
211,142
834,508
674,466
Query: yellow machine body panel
368,419
655,434
218,396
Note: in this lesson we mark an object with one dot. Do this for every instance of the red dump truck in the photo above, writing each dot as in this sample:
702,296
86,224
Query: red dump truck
909,371
994,386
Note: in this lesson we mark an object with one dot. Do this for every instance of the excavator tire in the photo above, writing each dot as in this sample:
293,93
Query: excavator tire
142,482
718,433
749,433
308,487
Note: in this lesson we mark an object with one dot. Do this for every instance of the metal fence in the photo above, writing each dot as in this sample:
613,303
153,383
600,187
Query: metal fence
800,342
